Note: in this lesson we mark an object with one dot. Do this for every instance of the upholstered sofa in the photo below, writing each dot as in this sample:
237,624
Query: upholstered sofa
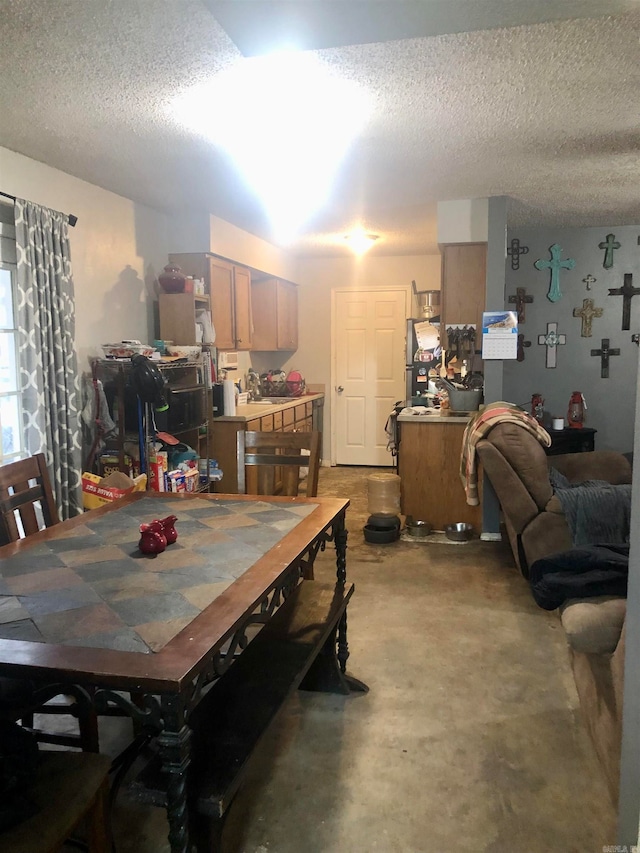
518,468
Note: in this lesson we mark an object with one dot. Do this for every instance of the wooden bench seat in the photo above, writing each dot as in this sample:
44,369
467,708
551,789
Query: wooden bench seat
296,648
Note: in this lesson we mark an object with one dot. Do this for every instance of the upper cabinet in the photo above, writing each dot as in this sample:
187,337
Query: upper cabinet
275,311
229,289
177,314
464,273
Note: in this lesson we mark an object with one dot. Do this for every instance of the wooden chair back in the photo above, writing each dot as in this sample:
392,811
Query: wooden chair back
23,484
279,457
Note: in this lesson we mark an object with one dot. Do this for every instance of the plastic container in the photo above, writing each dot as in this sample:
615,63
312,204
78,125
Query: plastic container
383,493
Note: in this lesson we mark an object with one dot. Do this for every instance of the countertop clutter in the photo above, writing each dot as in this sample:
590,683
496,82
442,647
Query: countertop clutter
268,406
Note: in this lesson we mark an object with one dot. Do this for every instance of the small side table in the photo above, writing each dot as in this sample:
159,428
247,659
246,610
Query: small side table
569,440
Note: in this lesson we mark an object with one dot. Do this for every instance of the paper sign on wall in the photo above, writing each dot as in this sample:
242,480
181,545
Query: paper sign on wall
499,334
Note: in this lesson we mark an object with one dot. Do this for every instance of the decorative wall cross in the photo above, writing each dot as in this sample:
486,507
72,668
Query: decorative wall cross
555,265
604,352
515,250
521,346
587,312
520,299
608,245
589,280
552,340
627,291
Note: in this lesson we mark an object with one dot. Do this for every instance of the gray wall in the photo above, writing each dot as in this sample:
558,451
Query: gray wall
611,402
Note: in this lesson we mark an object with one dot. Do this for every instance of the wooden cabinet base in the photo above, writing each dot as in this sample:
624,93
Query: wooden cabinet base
429,464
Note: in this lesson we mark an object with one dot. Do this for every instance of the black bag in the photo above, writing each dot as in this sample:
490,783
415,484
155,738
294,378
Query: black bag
19,759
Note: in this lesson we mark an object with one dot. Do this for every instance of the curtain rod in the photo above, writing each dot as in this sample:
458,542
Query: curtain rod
72,219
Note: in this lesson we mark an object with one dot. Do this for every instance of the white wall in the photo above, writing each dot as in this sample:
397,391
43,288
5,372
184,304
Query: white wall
232,242
117,249
317,277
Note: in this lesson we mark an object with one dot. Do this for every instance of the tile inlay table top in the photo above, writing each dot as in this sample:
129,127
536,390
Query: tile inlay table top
80,604
94,587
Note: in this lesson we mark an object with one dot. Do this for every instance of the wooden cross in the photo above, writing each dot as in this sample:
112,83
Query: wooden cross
604,352
521,345
555,265
589,280
587,312
608,245
627,291
515,250
520,299
552,340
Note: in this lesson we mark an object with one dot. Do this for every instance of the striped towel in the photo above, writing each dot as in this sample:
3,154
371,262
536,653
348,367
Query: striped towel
479,426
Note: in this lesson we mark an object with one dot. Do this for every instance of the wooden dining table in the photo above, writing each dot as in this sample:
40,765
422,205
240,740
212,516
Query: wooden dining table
80,604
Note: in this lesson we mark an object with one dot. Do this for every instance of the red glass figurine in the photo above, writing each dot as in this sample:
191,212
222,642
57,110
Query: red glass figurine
152,538
169,529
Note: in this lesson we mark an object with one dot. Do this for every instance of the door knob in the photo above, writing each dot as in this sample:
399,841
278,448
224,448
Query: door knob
339,389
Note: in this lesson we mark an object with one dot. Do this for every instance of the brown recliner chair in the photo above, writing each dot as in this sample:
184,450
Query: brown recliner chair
518,469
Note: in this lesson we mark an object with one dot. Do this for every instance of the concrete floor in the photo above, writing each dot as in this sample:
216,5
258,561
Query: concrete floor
470,738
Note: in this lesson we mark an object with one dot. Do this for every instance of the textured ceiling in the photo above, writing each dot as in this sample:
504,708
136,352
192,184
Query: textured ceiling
547,114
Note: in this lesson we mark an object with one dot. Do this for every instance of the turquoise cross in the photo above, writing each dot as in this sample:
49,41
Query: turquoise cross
555,265
609,245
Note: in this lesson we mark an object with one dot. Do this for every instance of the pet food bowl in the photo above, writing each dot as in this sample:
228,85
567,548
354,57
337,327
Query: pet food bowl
380,535
419,529
459,532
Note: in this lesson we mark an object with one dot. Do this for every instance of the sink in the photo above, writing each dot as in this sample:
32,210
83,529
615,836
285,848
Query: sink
271,401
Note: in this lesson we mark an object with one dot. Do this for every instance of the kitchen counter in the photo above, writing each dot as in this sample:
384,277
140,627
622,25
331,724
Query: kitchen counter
436,416
429,448
250,411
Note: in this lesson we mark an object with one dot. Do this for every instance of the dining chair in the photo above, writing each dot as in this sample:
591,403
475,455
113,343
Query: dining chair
26,506
25,487
279,458
68,788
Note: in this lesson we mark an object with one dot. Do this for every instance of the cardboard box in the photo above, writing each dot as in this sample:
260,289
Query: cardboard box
158,467
98,491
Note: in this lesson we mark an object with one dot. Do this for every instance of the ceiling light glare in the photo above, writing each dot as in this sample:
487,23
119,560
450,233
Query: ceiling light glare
287,120
361,241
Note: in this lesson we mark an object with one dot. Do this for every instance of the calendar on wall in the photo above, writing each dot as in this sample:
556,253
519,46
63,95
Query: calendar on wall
500,334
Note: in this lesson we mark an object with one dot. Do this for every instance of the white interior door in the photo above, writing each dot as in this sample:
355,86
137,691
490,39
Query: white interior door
369,372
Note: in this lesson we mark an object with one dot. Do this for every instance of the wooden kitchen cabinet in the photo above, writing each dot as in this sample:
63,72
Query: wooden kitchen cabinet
228,286
275,311
464,273
429,468
177,314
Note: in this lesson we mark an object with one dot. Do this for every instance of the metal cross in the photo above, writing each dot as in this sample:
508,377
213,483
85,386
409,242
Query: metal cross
520,299
515,250
552,340
608,245
555,265
627,291
604,352
521,346
587,312
589,280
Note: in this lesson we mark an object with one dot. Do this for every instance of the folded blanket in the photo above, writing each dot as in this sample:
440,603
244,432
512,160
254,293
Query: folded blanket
478,427
596,511
580,573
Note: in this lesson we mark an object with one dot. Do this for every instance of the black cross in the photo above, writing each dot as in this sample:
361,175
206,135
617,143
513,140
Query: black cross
627,291
604,352
515,250
521,345
519,299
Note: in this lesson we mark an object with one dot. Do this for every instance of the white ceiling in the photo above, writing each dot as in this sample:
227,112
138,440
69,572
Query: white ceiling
547,113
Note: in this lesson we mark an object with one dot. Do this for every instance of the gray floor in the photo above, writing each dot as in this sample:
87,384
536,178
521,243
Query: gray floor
470,738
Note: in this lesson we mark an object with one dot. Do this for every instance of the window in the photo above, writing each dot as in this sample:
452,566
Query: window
11,432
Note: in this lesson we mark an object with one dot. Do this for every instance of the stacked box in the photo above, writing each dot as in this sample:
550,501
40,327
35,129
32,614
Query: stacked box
175,481
158,467
191,480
